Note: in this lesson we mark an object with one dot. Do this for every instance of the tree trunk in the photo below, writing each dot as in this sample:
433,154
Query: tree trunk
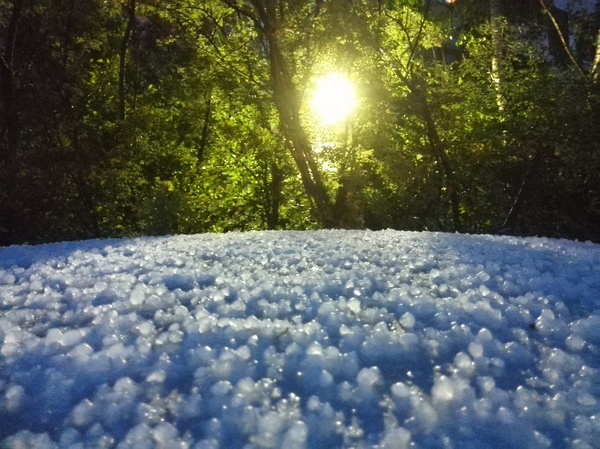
130,11
558,39
275,196
205,131
595,70
286,99
497,44
439,152
519,198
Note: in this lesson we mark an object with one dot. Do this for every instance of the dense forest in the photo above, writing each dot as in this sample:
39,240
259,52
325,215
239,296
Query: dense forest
149,117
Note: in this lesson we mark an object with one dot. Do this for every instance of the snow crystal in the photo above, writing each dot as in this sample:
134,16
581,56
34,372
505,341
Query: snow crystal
407,321
369,378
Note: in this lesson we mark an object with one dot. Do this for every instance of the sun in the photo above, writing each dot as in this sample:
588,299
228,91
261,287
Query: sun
333,99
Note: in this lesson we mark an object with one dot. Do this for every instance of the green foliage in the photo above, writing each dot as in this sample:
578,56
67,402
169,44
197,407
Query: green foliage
204,147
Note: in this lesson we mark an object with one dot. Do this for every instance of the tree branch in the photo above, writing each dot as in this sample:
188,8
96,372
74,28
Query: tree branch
562,39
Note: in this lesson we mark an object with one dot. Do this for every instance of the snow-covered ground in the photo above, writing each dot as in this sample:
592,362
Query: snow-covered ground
301,339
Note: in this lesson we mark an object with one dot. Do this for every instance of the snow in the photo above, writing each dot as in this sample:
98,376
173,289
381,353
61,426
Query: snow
317,339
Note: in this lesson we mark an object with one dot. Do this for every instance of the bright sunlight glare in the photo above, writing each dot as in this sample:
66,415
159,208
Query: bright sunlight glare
333,99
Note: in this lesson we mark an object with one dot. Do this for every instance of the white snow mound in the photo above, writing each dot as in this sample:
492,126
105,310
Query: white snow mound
325,339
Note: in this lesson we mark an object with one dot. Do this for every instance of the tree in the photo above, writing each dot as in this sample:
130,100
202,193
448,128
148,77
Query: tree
270,19
402,32
143,117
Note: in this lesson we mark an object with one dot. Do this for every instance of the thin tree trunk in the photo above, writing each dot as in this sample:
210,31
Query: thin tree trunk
595,70
497,44
519,198
205,131
275,196
439,152
435,142
563,39
286,99
130,10
437,147
67,39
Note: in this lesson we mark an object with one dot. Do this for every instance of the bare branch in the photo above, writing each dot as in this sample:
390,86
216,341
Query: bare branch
562,39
